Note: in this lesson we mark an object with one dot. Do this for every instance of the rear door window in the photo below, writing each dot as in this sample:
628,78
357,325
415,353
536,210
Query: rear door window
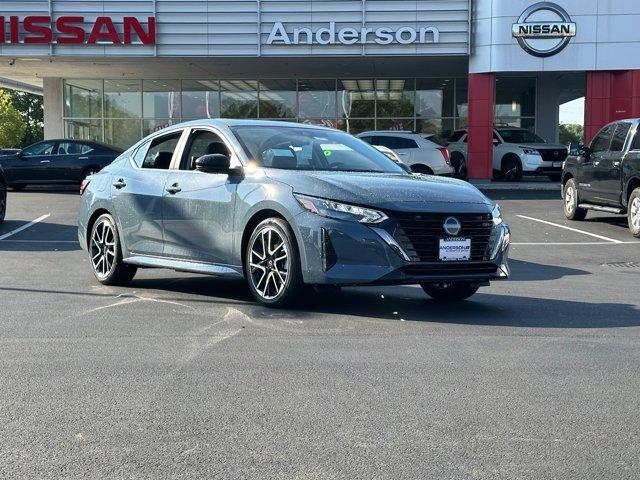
635,145
457,136
42,148
160,152
73,148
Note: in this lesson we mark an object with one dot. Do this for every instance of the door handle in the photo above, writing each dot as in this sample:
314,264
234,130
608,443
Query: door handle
173,189
616,164
45,161
120,183
83,158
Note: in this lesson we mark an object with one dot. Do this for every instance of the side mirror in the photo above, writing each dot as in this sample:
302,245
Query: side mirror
20,155
496,142
215,163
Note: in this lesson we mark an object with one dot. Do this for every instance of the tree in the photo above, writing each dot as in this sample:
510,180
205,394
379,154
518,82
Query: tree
12,126
571,132
32,111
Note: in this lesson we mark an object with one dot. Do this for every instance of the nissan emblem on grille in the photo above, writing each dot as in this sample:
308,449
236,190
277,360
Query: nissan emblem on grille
452,226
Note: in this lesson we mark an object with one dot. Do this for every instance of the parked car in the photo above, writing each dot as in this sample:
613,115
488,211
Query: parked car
421,152
56,162
516,151
605,176
8,151
286,206
3,195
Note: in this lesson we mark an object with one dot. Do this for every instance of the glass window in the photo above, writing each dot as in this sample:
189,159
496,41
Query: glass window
520,122
161,99
356,98
395,97
141,153
73,148
636,141
83,129
434,97
83,98
239,99
161,151
462,97
619,136
441,128
369,140
603,139
317,99
152,125
406,124
122,133
202,142
42,148
515,97
278,99
300,148
394,143
200,99
457,136
123,98
357,125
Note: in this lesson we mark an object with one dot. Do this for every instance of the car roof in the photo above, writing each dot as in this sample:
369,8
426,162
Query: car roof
231,122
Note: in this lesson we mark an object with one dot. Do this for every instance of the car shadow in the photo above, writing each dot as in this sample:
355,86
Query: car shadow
522,271
42,237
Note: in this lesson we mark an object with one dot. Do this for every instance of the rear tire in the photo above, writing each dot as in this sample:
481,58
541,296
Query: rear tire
105,253
450,291
459,164
570,202
633,213
3,201
272,265
511,169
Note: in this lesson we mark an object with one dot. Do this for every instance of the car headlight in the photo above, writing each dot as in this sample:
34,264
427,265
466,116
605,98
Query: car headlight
530,151
496,215
340,211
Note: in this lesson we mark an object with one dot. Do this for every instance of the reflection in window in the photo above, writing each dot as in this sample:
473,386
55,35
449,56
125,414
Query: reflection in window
123,98
83,98
395,124
317,100
161,99
516,102
395,98
83,129
122,132
152,125
434,97
200,99
239,99
278,99
356,98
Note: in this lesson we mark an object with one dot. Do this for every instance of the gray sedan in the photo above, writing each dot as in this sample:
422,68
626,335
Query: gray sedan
286,206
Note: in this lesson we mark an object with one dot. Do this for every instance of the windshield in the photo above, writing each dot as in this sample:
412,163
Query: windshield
299,148
519,136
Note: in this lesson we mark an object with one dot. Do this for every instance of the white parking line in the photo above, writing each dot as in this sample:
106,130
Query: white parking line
24,227
610,240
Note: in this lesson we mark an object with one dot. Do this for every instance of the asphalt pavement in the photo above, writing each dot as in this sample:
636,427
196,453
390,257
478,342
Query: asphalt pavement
184,376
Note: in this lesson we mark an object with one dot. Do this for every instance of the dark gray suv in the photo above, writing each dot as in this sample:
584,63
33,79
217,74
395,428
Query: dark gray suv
287,206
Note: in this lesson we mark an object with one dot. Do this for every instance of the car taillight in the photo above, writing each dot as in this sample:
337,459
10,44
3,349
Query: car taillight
83,185
445,154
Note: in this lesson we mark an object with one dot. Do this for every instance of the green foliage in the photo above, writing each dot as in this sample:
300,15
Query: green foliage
32,112
12,125
571,132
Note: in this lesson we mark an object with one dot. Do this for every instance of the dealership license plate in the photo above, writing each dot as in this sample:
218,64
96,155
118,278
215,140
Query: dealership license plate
455,249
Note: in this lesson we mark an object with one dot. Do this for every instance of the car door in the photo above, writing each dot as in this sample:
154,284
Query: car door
34,163
137,191
587,182
66,165
199,207
607,170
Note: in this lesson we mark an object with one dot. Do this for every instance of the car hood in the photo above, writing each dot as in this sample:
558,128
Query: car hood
543,146
387,191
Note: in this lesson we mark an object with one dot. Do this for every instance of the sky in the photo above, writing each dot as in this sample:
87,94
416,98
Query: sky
572,112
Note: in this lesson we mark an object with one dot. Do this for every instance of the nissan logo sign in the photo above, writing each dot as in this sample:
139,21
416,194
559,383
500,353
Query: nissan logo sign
452,226
544,29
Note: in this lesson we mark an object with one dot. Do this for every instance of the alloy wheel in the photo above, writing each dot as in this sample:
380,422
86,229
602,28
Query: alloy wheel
269,263
569,199
635,214
103,248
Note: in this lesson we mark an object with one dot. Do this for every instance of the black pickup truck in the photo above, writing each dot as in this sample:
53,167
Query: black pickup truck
605,176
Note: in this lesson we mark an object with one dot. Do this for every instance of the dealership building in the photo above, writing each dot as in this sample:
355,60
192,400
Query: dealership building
116,70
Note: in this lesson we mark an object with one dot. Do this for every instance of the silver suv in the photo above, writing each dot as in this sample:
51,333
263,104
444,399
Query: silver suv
423,153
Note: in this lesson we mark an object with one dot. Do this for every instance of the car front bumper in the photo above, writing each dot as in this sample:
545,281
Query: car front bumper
347,253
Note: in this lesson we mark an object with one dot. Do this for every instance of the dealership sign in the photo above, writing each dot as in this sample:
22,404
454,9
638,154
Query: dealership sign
544,29
73,30
330,35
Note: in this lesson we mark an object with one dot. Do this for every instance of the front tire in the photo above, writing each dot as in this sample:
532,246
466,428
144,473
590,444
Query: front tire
272,264
570,202
3,201
450,291
633,213
459,164
105,253
511,169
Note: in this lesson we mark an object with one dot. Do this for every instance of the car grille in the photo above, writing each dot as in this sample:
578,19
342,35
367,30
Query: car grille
553,155
419,234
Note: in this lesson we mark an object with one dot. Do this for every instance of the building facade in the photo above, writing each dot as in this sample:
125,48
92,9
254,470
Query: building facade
117,70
